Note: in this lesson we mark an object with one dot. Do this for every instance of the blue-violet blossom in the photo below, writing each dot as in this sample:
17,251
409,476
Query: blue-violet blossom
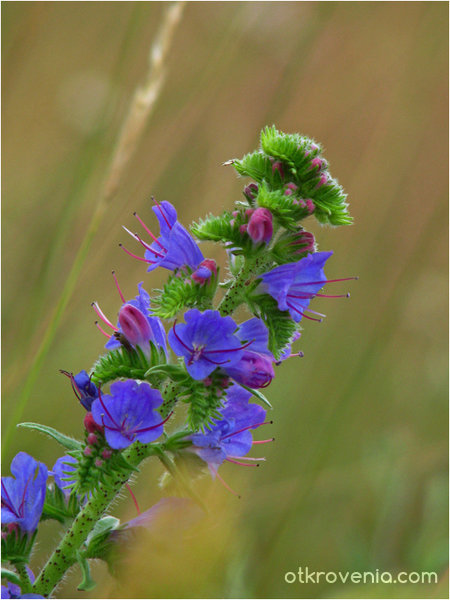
174,248
128,414
207,341
293,285
23,495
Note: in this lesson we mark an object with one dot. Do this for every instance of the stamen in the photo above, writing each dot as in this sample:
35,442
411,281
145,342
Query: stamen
101,330
102,316
179,339
149,262
237,462
162,212
118,287
303,314
134,498
144,429
22,504
232,349
247,457
223,482
263,441
148,247
245,429
155,239
75,388
330,280
11,506
106,410
213,362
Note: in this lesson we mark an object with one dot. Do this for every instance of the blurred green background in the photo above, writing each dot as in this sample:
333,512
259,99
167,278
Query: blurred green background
357,477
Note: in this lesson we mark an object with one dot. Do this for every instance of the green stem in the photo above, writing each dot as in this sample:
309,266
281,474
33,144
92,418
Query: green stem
235,295
65,554
25,581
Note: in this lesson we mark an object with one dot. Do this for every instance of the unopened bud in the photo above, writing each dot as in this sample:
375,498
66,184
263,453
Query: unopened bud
90,425
260,226
92,439
251,191
135,326
106,453
205,270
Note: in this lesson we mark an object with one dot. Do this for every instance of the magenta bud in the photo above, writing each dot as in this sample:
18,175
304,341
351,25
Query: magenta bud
288,192
316,163
278,166
260,226
92,439
135,326
249,212
254,370
251,191
243,228
106,453
314,146
235,213
310,205
90,425
205,270
323,180
305,242
291,186
88,451
98,462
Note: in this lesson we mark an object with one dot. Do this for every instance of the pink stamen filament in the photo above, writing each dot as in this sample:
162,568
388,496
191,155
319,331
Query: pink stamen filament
22,504
106,411
245,429
263,441
118,287
246,457
148,247
303,314
155,239
134,498
213,362
101,331
75,388
102,316
231,349
150,262
237,462
223,482
144,429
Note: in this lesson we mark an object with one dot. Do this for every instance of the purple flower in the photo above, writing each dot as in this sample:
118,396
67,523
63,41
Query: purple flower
260,226
129,414
174,248
206,341
294,285
254,369
230,437
23,495
135,323
63,471
84,389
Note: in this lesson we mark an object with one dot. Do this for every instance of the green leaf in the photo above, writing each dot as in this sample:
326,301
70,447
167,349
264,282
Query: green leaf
258,394
123,363
65,441
10,576
103,527
87,583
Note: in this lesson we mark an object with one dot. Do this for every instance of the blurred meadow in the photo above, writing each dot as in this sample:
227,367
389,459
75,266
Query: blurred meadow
357,477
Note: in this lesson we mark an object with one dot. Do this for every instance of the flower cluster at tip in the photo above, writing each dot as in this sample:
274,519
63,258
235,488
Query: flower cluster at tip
182,350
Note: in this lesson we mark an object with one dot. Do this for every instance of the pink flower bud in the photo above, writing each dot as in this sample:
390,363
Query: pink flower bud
323,180
251,191
249,212
243,228
260,227
135,326
305,242
291,186
98,462
254,370
205,270
88,451
92,439
310,205
278,166
90,425
316,163
106,453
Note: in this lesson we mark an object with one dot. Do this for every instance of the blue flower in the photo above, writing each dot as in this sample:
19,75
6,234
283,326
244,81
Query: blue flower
174,248
84,389
63,470
230,437
135,323
23,495
206,341
129,414
294,285
255,368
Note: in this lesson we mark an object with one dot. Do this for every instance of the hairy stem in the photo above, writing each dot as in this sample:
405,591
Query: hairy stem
25,582
65,554
235,295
